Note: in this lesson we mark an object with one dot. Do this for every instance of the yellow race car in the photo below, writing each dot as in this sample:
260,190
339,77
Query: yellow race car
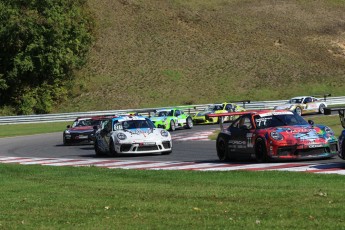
200,117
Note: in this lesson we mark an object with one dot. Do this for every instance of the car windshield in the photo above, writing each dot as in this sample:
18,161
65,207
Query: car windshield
296,100
164,113
215,107
86,122
136,124
275,120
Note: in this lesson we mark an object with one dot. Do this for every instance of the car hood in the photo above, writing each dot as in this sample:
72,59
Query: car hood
203,113
144,134
304,134
158,118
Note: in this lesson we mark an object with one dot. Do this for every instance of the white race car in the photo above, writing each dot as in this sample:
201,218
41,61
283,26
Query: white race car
304,105
131,135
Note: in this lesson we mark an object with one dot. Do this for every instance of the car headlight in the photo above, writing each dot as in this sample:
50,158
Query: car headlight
164,133
276,136
121,136
67,132
328,130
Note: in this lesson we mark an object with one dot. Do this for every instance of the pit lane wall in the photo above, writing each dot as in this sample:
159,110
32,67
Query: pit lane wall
191,110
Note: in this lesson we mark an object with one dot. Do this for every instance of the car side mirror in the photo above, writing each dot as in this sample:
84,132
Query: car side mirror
68,126
311,122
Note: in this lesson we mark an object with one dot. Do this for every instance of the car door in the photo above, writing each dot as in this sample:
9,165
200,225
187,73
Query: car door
181,117
310,105
241,136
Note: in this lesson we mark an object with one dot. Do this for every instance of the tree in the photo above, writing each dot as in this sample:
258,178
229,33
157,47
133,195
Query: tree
41,43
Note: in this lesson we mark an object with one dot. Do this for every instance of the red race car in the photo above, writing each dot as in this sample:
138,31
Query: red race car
274,134
82,130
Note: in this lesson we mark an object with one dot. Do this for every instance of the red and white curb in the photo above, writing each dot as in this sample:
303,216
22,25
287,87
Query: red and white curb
199,136
325,168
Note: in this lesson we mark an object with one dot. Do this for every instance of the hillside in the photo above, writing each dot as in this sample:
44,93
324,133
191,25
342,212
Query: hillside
172,52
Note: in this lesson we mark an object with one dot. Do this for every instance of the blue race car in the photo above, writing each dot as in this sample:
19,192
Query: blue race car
341,112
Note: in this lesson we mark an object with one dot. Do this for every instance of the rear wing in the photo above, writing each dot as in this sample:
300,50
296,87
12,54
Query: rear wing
341,112
243,102
324,96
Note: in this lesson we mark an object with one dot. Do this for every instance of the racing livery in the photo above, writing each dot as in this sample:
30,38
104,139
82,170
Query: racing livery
172,118
274,134
131,135
305,105
341,139
82,130
200,117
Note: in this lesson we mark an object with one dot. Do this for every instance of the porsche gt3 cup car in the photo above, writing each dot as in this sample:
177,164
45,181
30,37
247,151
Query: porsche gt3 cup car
341,139
274,134
305,105
200,117
82,130
172,118
131,135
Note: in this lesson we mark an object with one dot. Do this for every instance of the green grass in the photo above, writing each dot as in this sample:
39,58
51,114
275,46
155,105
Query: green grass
34,128
43,197
163,53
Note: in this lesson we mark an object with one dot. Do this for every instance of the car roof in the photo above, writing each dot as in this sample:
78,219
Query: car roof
128,118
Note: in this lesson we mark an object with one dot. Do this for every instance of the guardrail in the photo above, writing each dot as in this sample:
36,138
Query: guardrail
195,108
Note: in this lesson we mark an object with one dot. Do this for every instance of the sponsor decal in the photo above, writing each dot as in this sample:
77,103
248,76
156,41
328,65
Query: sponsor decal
275,113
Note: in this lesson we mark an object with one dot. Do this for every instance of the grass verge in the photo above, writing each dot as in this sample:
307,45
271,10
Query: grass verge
29,129
42,197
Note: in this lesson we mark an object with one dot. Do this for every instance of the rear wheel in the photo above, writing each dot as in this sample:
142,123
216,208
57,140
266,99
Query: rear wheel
298,110
112,151
222,148
189,123
172,125
261,151
322,109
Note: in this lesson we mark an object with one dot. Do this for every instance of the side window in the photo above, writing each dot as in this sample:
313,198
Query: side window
245,123
228,107
107,126
236,123
307,100
177,113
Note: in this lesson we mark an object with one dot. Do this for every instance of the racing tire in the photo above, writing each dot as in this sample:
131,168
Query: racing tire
342,152
322,109
112,151
98,152
261,151
222,149
189,123
65,142
298,110
172,125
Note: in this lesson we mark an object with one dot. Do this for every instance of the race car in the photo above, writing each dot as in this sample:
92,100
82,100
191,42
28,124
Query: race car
305,105
274,135
82,130
341,139
172,118
200,117
131,135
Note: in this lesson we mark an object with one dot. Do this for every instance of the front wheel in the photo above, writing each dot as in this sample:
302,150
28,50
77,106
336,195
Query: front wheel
172,125
98,152
189,123
261,151
112,151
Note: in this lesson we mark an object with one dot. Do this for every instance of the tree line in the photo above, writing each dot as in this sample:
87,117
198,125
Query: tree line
42,42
